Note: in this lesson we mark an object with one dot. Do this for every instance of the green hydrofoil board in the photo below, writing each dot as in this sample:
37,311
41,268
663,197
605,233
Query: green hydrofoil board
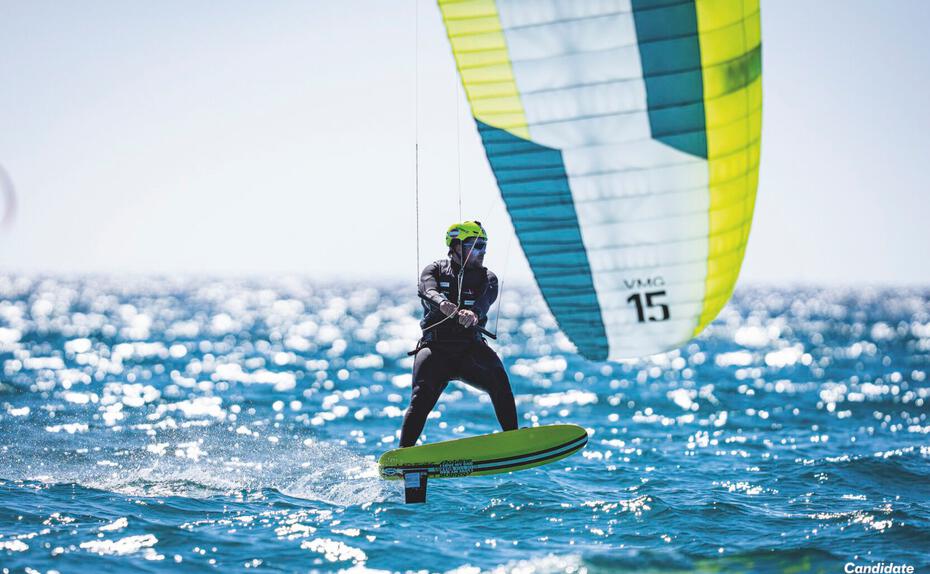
480,455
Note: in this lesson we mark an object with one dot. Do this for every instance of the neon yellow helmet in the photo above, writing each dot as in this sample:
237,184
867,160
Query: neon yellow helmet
465,230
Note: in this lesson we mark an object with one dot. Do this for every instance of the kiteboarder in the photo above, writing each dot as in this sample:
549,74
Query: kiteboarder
457,293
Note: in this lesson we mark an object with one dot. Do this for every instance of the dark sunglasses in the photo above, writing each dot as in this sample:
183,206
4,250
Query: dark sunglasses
475,244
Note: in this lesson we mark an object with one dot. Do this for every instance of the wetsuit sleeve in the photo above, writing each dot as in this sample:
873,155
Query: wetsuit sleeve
429,284
487,298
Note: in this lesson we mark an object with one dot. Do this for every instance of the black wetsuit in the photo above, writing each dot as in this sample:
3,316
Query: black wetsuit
449,351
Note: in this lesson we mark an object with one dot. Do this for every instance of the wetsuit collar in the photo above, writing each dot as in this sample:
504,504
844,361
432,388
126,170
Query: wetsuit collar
456,267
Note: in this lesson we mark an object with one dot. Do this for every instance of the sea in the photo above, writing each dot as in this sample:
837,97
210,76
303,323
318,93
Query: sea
157,424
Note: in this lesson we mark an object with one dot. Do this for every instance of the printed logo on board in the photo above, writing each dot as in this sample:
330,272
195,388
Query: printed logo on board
456,467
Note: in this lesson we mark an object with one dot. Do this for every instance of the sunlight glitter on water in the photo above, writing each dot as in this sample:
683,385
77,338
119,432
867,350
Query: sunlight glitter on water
234,411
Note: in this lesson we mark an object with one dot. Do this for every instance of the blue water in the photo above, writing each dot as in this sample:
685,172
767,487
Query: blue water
231,425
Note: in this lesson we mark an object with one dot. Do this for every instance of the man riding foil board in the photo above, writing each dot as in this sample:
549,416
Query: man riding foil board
457,293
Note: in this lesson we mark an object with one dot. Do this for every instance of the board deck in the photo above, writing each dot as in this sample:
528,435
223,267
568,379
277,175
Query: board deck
486,454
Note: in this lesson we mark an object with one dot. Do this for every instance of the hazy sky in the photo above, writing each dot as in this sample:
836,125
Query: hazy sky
258,137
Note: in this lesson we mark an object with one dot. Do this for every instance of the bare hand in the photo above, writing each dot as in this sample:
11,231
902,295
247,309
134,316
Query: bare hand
448,308
467,318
